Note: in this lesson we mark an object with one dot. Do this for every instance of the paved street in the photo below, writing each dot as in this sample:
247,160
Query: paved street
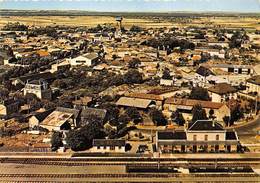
250,128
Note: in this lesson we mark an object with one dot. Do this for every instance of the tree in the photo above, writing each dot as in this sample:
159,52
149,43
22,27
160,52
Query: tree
4,93
236,114
134,63
178,118
135,28
48,105
157,117
123,120
226,120
199,93
237,39
15,27
134,114
116,80
133,76
211,114
76,140
81,139
166,74
60,83
56,140
114,56
198,113
112,110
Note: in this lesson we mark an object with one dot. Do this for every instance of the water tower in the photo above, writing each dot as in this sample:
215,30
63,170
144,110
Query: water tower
119,21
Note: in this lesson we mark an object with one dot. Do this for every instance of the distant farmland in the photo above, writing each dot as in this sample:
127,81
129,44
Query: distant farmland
90,19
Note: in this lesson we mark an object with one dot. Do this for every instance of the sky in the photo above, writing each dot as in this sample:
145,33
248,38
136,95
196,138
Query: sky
135,5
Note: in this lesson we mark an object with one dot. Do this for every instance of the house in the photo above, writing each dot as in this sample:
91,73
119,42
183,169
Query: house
235,69
234,80
201,77
157,100
8,107
185,106
47,76
89,114
166,82
82,102
64,65
108,145
135,102
200,136
38,87
43,54
222,92
61,119
216,53
36,118
86,60
253,85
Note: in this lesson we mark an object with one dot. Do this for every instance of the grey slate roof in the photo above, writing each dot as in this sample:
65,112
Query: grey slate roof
108,142
203,71
87,112
177,135
205,125
231,135
42,115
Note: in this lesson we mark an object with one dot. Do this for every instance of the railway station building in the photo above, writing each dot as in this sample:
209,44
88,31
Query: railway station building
200,136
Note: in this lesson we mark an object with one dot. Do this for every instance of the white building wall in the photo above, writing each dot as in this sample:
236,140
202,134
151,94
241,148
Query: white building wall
200,136
107,149
80,61
253,88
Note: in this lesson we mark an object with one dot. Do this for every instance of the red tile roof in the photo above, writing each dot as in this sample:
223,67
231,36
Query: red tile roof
191,102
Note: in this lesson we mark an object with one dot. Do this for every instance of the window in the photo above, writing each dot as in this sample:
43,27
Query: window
105,147
80,61
217,137
206,137
194,137
112,147
98,147
119,147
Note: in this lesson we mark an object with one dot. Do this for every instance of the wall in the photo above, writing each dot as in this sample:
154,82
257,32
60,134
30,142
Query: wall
211,136
107,149
3,110
33,121
253,88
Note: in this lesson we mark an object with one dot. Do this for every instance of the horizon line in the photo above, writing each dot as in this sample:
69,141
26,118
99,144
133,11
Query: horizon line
97,11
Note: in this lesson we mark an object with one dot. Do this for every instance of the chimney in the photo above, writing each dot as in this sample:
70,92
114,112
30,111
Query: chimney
213,123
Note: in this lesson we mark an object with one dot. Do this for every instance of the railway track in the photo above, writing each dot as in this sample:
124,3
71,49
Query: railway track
143,164
102,159
131,175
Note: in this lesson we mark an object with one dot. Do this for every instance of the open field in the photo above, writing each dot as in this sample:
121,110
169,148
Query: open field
90,21
80,21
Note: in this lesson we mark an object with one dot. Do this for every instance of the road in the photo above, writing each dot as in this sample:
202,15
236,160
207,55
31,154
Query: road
250,128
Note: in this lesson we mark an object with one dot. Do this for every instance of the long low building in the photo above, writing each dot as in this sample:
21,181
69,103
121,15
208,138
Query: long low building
134,102
220,110
200,136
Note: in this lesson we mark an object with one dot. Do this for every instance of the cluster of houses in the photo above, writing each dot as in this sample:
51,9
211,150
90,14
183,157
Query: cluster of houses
104,50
